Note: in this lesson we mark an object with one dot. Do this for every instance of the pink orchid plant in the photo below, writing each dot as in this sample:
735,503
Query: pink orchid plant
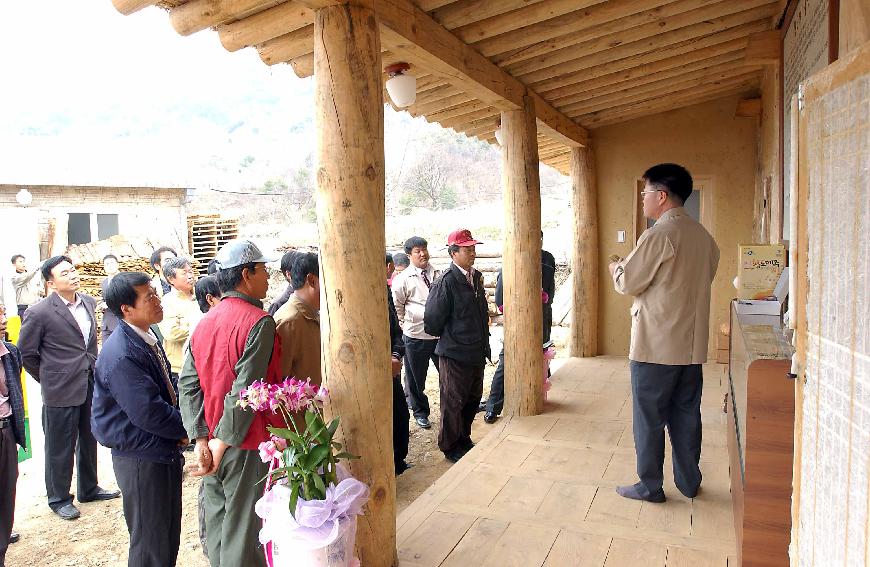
305,462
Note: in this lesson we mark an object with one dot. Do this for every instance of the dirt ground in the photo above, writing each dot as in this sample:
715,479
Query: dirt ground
99,537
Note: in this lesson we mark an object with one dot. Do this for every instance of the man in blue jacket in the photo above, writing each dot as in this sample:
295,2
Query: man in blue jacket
135,413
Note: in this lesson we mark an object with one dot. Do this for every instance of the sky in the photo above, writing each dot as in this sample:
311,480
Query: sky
89,96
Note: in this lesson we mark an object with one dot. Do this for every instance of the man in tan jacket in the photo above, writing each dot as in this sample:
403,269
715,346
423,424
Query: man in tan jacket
669,273
298,322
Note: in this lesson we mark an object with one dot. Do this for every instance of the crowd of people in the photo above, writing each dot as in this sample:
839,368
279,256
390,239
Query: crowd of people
177,350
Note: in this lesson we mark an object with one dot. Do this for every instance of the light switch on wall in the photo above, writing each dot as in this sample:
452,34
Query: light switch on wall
620,236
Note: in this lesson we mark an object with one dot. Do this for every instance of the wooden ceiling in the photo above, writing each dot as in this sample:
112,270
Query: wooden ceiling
589,63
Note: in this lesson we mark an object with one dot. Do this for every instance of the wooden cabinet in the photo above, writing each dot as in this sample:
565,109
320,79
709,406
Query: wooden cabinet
760,438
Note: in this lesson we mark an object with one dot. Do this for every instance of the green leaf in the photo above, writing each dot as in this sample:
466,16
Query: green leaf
317,456
294,498
333,426
318,482
347,456
310,421
286,434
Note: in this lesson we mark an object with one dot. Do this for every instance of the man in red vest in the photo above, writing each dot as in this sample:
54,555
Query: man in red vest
232,346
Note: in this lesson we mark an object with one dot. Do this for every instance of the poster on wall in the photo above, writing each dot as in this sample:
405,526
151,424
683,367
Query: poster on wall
804,52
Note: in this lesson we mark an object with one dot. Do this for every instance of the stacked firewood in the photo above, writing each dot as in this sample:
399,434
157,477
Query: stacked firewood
91,274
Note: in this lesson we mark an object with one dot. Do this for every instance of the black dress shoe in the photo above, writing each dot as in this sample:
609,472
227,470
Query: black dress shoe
14,537
454,455
423,422
490,417
634,492
102,494
481,406
466,444
68,512
402,467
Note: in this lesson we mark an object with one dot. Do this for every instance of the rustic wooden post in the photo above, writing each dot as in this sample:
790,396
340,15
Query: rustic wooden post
350,217
523,333
584,306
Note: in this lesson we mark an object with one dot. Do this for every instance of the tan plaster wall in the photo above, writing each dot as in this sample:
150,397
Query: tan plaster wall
709,141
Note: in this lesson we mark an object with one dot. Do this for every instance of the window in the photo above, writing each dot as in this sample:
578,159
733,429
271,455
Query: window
82,227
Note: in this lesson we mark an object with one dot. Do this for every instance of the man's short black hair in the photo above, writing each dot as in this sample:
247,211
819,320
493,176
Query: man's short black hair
14,258
155,256
49,265
670,177
207,285
122,291
401,259
453,249
172,265
415,242
307,263
389,259
212,267
107,256
287,261
230,278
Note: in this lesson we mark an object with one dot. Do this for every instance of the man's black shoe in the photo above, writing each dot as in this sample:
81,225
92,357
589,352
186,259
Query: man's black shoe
68,512
466,444
402,467
490,417
423,422
634,492
454,455
102,494
481,406
14,537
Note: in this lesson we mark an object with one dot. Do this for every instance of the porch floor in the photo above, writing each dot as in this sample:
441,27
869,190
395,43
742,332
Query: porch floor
539,491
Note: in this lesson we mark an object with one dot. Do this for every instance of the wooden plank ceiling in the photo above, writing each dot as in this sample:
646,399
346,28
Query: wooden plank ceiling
594,62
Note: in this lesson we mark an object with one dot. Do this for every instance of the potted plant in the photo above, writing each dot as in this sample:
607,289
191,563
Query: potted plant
310,502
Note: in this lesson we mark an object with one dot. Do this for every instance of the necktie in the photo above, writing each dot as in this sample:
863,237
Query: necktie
470,278
426,279
163,370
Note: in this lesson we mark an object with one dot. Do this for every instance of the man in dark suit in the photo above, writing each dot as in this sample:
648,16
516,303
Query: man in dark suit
11,434
135,413
58,344
457,313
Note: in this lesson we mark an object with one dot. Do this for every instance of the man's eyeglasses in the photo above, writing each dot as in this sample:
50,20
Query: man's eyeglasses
652,191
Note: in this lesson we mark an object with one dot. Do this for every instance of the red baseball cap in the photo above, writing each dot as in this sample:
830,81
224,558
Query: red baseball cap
461,237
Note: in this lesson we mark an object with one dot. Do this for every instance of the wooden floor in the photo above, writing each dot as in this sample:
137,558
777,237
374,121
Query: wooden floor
539,491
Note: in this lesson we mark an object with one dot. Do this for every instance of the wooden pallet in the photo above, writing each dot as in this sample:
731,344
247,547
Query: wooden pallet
207,233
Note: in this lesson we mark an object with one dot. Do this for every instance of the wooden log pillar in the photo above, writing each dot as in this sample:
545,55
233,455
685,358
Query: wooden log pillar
523,320
584,305
350,216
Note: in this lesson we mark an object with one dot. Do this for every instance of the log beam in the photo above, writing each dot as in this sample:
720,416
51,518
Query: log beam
584,263
349,114
266,25
523,328
198,15
128,7
286,47
763,48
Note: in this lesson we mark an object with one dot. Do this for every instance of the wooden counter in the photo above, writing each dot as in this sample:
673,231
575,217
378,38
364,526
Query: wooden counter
760,438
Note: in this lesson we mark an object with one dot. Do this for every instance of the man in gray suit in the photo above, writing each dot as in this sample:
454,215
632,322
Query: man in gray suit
58,344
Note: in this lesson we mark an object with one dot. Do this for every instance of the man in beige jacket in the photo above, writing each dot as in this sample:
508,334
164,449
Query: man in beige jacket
669,273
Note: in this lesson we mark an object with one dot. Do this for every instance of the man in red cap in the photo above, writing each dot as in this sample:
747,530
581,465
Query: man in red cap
457,313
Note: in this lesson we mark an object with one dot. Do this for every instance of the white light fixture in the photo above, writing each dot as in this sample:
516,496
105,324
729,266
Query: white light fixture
401,86
24,197
499,133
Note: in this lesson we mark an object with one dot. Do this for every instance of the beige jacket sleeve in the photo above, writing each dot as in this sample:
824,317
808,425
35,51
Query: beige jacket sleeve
635,274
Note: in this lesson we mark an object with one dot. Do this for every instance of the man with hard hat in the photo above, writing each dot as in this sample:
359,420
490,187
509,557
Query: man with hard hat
457,312
232,346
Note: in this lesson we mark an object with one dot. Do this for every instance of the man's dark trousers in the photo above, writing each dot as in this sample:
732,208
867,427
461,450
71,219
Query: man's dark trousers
495,401
401,417
152,508
67,431
8,480
461,388
418,353
665,395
